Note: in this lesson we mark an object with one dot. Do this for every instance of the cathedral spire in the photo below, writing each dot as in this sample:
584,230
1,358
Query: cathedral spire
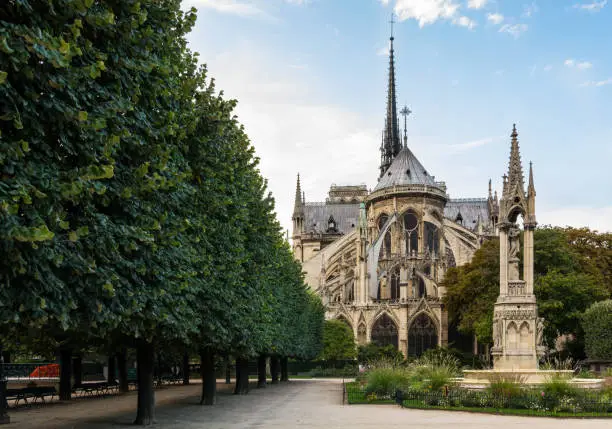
298,206
531,186
391,136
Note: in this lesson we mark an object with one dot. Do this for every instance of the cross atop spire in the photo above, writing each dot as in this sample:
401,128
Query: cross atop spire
405,112
392,21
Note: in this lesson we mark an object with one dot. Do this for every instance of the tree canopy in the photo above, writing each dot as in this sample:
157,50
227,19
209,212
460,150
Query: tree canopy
132,210
338,341
570,267
597,324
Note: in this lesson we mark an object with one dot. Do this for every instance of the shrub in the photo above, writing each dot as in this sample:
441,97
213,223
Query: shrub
506,387
597,325
385,381
433,371
371,352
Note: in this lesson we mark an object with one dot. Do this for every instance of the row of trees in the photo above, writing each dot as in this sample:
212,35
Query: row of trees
572,271
132,211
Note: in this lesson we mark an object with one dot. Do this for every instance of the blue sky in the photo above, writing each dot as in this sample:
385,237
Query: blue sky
310,78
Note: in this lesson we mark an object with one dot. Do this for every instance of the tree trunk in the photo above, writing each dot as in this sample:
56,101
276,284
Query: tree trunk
274,368
186,368
65,374
261,371
284,368
124,385
112,370
209,380
77,370
228,370
242,376
4,417
7,356
146,396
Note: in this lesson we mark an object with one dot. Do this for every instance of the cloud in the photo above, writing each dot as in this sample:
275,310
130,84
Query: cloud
462,147
426,11
476,4
233,7
464,21
594,6
530,10
548,67
383,51
513,29
583,65
274,104
495,18
599,218
597,82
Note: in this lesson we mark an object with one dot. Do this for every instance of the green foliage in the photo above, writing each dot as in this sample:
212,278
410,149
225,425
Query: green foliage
504,386
338,341
571,271
559,387
131,204
372,352
597,325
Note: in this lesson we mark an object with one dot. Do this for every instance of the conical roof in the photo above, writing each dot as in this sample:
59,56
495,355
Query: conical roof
405,169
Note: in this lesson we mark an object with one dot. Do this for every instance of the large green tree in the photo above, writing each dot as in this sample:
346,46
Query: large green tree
568,279
338,341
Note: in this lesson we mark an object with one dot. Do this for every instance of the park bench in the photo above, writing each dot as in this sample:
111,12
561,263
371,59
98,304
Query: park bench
95,389
34,393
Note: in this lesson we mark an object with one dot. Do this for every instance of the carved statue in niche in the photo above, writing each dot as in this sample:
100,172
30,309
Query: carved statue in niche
496,334
513,248
539,331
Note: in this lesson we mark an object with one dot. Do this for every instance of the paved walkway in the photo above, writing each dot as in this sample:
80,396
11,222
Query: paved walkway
298,404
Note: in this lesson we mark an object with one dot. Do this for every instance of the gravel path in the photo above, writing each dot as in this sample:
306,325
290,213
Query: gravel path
298,404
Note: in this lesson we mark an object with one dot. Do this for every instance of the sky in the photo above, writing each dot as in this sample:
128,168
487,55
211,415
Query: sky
310,78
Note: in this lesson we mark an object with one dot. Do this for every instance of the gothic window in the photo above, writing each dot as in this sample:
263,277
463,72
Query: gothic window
411,231
431,237
384,332
350,292
422,335
331,225
385,249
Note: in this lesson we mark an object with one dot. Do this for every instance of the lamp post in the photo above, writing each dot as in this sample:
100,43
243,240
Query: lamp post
4,417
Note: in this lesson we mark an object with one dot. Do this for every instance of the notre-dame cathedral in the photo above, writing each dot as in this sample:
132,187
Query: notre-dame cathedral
377,258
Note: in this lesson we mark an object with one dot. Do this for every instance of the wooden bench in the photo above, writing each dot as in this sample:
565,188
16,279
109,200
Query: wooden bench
34,393
95,389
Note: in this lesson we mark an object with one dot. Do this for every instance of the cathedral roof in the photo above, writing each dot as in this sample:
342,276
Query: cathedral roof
405,169
471,209
317,217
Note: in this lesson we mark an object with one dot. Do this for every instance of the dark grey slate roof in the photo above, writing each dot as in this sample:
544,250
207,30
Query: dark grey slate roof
405,170
469,208
317,215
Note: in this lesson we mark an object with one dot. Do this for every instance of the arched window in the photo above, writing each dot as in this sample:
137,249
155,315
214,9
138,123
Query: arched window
384,332
411,232
432,240
422,335
385,249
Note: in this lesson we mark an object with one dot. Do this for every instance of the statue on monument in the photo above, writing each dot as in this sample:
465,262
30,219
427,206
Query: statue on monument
513,249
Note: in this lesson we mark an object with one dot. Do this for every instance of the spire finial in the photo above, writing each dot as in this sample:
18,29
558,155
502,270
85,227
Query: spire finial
531,186
299,202
405,112
392,21
490,189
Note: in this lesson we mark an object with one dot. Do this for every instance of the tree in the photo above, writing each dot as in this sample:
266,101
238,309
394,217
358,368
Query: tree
338,341
568,279
597,325
372,352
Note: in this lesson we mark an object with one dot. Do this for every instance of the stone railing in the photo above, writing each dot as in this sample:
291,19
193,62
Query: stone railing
516,288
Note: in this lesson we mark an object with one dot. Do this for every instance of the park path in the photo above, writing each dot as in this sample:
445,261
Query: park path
298,404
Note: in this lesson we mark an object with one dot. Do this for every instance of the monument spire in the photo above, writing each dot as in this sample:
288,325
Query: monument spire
391,135
515,169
